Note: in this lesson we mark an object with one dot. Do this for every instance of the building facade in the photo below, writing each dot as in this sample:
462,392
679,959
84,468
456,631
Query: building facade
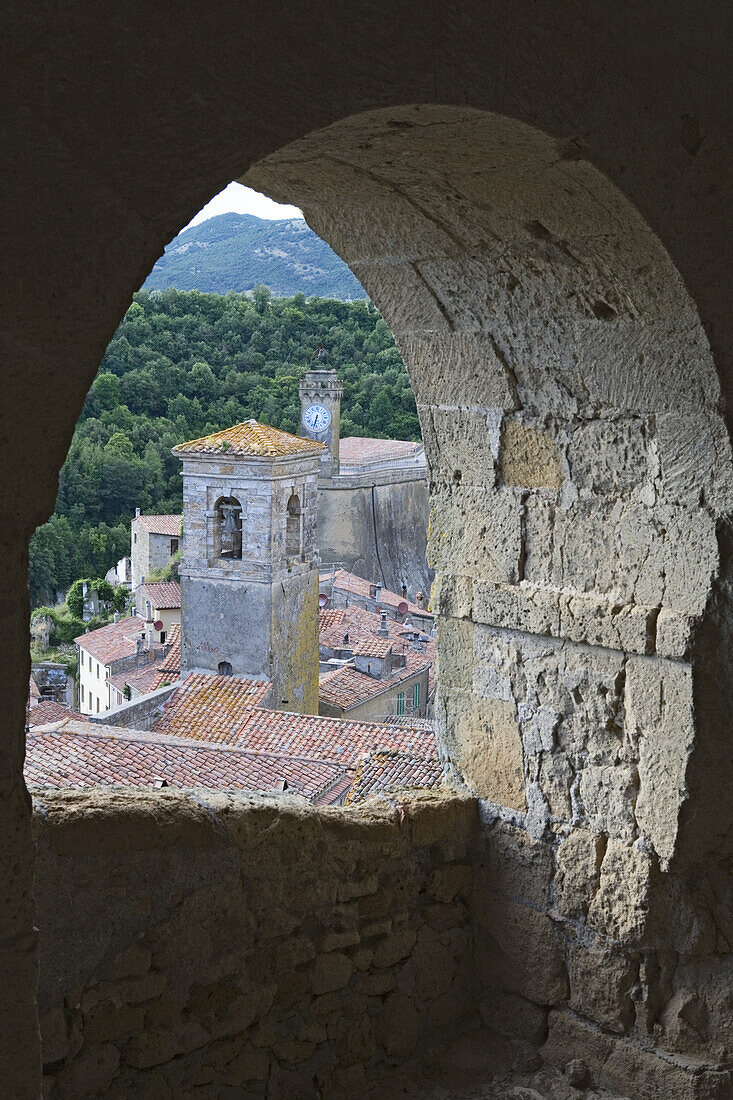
249,586
154,540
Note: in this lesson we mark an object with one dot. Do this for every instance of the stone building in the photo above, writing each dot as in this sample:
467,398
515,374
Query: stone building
372,494
537,197
159,604
154,540
249,587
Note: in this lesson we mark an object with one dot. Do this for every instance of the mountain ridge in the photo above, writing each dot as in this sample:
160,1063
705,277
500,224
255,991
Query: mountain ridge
239,251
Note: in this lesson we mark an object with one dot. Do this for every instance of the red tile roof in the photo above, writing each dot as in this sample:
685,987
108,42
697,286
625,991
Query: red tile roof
163,595
170,668
358,623
358,451
383,771
33,689
372,647
347,688
48,710
252,440
161,525
332,739
143,680
211,708
76,753
357,586
114,641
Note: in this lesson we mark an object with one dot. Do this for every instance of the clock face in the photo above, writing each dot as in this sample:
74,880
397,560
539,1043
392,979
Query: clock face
316,418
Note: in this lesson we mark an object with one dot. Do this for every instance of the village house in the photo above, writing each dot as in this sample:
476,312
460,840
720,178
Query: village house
159,604
154,540
124,647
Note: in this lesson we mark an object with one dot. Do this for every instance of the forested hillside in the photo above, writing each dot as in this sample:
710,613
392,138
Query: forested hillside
240,251
183,364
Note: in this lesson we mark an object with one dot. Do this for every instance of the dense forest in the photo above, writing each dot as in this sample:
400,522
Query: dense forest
183,364
240,251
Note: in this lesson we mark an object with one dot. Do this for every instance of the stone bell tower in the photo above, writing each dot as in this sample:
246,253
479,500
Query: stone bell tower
320,418
249,590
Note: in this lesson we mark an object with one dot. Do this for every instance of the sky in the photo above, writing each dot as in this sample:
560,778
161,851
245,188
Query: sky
243,200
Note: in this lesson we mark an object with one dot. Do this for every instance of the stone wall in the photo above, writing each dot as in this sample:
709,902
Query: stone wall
137,714
199,941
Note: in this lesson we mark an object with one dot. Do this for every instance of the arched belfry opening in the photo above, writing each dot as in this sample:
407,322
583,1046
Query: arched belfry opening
294,528
227,529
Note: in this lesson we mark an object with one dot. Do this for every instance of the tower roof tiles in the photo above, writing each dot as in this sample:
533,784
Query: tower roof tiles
252,440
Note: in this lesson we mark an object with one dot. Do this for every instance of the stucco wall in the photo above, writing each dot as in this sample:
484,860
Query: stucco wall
205,942
378,533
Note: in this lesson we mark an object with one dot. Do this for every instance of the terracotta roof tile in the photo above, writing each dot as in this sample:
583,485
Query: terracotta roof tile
76,753
344,581
48,710
251,439
161,525
143,680
358,451
170,668
163,595
372,647
114,641
383,771
346,687
211,708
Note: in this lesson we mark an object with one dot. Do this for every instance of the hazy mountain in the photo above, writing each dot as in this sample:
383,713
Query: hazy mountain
238,251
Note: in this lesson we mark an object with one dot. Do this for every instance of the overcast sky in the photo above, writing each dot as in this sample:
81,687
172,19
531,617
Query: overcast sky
243,200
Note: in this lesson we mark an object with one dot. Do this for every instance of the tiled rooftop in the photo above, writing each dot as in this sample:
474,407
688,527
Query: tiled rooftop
161,525
383,771
335,623
347,688
169,669
211,708
332,739
163,595
75,753
357,451
143,679
48,710
114,641
250,439
349,582
372,647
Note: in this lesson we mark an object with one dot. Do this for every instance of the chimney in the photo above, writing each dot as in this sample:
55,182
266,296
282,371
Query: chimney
137,513
404,591
378,592
281,784
116,616
150,639
372,591
383,630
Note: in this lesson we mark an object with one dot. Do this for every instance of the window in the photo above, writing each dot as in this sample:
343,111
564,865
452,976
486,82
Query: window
162,637
81,693
90,662
134,537
416,695
174,546
401,703
293,528
97,706
225,669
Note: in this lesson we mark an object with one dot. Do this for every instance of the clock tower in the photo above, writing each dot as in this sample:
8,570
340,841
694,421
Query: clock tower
320,402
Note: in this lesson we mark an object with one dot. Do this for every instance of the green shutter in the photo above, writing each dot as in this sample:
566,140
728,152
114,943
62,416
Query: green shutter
416,695
401,703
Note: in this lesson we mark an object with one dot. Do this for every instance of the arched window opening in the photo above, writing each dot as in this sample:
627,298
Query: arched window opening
228,528
293,528
225,668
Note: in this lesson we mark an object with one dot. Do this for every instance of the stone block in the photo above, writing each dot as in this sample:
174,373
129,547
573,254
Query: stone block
461,444
516,950
508,1014
579,858
610,457
489,749
294,951
516,864
335,941
476,532
608,795
399,1026
54,1038
600,982
620,907
395,948
446,882
529,457
331,972
90,1073
457,369
131,962
113,1022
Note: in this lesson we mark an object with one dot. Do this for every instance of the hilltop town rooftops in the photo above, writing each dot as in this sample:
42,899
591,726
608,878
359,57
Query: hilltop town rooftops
252,440
169,669
347,688
75,753
163,595
384,771
372,647
358,451
349,582
114,641
211,708
161,525
48,710
141,680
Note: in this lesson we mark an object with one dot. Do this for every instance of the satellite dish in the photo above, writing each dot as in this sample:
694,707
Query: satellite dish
158,624
403,607
322,600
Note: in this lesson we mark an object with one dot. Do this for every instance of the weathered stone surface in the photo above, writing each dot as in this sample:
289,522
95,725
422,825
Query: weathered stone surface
606,1001
621,903
529,458
491,756
579,859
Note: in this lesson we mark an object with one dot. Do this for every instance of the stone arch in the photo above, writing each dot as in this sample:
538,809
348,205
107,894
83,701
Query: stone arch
294,527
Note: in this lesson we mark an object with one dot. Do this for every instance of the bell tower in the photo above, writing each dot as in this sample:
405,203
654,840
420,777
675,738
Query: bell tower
320,419
249,587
